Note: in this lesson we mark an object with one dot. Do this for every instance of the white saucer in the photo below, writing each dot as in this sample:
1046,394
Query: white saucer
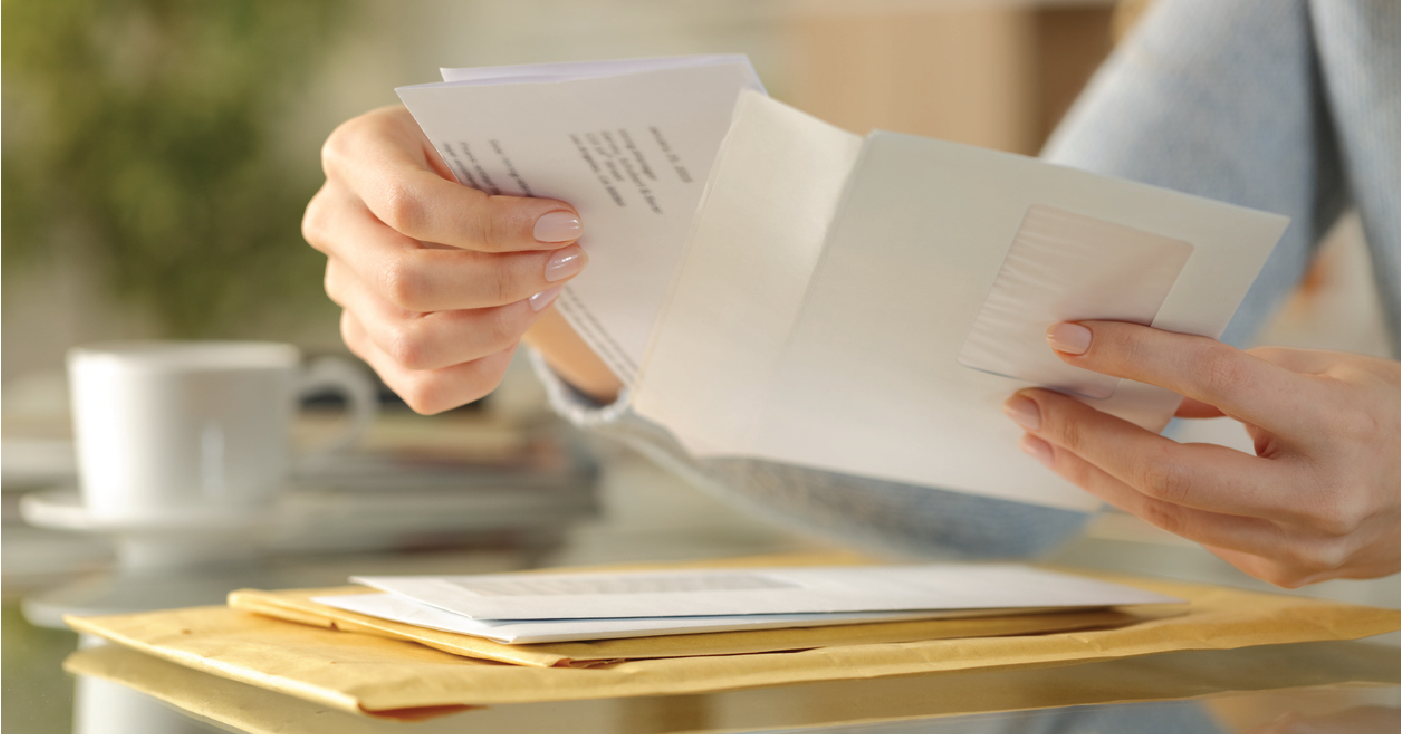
63,509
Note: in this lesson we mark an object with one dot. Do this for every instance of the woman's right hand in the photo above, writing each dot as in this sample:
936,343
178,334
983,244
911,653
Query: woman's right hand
437,281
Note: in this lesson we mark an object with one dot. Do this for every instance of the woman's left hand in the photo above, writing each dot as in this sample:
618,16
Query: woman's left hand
1321,498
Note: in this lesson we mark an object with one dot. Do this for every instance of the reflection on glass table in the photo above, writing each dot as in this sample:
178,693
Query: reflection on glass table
1330,687
457,493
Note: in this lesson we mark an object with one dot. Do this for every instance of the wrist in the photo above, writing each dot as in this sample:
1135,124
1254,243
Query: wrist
571,358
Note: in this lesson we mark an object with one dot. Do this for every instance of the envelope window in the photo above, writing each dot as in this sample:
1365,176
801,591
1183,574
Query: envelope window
1064,266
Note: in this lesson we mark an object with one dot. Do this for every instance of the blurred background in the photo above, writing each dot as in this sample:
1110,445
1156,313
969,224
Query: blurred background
157,155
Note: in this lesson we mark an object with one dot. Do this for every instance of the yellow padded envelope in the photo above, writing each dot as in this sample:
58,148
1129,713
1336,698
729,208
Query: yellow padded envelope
1167,677
368,673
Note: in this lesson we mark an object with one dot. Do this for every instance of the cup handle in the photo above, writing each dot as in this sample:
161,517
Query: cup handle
348,379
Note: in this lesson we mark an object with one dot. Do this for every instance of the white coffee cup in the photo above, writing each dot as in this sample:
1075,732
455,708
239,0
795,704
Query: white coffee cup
187,429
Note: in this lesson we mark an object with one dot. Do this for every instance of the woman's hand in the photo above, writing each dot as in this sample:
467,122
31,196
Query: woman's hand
1321,498
438,282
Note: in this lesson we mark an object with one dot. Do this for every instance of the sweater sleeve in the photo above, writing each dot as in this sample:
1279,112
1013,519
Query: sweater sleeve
882,517
1222,100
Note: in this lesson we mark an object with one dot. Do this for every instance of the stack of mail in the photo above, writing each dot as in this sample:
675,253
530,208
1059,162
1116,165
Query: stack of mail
561,607
287,642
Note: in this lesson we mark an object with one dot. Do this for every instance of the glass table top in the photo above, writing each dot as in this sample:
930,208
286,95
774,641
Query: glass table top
1307,687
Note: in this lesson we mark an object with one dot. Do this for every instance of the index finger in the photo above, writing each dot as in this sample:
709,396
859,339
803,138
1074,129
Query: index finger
1203,477
1242,386
384,159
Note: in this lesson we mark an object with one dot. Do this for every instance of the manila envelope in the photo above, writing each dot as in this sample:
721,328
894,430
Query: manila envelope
369,673
1168,677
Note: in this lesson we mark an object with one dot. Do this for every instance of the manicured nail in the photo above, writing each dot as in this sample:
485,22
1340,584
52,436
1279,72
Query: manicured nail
565,263
1039,450
1023,411
557,227
544,298
1069,338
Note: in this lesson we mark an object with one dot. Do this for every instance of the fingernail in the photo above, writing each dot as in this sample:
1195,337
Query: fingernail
540,300
1039,450
557,227
1023,411
1069,338
565,263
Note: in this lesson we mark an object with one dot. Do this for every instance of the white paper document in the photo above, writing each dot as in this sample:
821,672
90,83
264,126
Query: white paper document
628,143
397,608
844,589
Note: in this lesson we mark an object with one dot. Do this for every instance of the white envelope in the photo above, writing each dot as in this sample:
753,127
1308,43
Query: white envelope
396,608
693,593
866,305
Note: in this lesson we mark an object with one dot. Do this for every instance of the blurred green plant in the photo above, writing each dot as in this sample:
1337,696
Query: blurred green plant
142,136
37,695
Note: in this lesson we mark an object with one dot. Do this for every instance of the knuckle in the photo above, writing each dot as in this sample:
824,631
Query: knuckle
1331,522
1222,371
1075,470
1285,577
355,340
501,285
332,286
334,149
422,394
1117,350
1166,480
1163,515
349,336
314,221
404,283
502,328
488,223
1068,432
1126,343
341,142
408,345
478,233
1314,560
1332,555
340,145
401,209
1340,513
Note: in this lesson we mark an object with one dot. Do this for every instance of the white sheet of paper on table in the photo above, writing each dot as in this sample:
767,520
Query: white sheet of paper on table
843,589
824,329
396,608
